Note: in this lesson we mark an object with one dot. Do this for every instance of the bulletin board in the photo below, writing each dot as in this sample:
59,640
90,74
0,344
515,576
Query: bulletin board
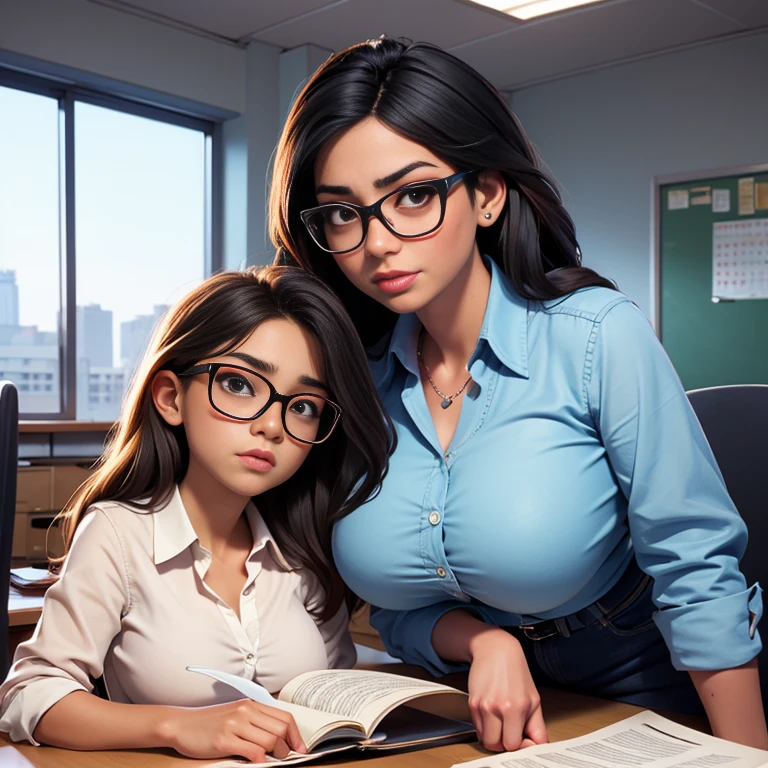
711,269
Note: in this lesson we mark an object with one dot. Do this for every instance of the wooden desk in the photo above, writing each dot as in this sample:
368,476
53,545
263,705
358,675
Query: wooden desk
23,613
23,610
567,715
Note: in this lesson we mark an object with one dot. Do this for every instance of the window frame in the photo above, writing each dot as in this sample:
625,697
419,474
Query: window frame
67,95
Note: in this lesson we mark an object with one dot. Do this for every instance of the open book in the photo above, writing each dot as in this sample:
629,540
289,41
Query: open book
645,740
341,709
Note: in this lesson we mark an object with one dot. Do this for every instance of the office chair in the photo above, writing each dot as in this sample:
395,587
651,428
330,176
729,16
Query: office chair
9,456
735,422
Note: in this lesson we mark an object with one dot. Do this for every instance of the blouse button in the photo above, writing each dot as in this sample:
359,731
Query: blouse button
434,517
247,591
441,572
249,657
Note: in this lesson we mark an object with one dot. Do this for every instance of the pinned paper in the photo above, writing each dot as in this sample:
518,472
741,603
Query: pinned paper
761,195
701,196
721,200
740,259
746,196
677,199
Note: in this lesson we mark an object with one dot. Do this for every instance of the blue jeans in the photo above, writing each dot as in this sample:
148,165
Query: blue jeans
623,658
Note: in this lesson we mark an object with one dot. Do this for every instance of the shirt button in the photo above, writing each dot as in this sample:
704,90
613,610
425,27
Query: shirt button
249,657
434,517
441,572
248,589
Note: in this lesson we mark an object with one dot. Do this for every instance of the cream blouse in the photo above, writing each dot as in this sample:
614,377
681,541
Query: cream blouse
132,605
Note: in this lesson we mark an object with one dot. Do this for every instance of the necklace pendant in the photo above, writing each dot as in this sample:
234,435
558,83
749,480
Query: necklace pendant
446,403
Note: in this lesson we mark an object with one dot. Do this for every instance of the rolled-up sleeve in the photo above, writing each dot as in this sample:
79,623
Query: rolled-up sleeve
407,635
81,615
686,532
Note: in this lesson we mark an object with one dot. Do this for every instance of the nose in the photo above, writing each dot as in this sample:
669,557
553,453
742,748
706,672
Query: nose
270,424
379,241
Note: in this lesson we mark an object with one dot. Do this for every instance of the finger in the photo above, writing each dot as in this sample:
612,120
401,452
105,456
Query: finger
270,743
477,720
512,735
527,743
535,728
291,733
251,752
492,731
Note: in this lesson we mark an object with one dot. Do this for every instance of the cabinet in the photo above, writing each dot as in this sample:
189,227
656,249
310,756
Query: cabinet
42,492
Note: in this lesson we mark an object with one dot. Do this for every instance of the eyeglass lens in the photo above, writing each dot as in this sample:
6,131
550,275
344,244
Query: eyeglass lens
242,395
410,212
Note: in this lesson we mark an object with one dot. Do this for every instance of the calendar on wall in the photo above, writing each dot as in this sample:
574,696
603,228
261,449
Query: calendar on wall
740,259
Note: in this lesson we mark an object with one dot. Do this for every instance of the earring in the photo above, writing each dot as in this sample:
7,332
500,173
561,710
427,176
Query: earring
487,215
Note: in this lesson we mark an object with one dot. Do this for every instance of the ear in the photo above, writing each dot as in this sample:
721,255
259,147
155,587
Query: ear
166,391
490,196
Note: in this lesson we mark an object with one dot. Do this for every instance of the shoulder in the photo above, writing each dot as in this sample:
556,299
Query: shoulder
115,525
589,304
600,315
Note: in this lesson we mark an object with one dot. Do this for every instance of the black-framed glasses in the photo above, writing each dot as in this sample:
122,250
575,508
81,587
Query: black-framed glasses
413,210
241,393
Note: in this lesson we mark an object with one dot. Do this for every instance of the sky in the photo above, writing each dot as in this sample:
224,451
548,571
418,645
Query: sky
139,200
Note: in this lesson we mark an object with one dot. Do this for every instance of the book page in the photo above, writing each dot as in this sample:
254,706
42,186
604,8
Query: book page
357,694
646,740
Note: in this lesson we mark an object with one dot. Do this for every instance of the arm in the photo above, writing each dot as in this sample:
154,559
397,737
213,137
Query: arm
685,530
83,721
409,635
503,700
47,695
733,703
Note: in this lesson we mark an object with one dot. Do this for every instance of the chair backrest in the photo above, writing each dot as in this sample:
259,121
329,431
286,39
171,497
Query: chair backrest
735,421
9,455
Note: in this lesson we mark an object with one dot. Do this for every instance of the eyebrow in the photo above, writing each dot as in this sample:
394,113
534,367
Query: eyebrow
379,183
271,368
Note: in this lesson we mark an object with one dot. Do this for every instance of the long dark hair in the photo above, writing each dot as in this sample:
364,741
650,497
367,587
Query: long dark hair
145,457
432,98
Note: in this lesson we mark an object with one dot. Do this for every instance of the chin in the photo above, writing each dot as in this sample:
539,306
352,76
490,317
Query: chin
404,303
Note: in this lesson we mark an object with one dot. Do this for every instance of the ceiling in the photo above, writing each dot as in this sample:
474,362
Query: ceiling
511,53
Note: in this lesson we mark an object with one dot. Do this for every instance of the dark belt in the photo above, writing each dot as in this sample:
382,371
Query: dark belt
621,595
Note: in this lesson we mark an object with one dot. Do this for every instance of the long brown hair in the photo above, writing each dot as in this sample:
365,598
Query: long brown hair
432,98
145,457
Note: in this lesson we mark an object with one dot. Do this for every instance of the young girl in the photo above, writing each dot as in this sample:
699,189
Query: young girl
203,538
553,514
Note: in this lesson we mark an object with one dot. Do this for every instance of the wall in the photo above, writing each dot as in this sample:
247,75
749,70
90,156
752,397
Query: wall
127,49
238,87
606,134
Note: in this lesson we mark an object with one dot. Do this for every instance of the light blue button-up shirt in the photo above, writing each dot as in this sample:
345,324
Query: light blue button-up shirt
576,447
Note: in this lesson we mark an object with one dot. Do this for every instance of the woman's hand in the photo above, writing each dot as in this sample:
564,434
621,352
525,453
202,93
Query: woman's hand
503,700
243,728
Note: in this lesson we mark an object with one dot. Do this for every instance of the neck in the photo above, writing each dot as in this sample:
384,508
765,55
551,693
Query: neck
454,318
216,512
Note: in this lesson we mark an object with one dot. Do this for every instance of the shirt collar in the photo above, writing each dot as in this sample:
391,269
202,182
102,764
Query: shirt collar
173,532
504,329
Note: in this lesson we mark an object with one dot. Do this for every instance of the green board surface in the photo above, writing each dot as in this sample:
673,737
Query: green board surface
710,344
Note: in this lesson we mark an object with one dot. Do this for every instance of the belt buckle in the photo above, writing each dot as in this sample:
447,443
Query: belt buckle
540,631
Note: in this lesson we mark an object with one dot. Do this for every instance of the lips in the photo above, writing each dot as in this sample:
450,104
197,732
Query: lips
391,275
395,281
267,456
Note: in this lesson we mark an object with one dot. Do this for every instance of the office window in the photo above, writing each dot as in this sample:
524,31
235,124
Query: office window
105,220
140,239
29,244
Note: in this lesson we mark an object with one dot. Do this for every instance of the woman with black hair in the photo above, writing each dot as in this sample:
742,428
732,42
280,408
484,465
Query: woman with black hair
553,514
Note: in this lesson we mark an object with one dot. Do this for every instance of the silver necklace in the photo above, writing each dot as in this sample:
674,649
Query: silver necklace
447,400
